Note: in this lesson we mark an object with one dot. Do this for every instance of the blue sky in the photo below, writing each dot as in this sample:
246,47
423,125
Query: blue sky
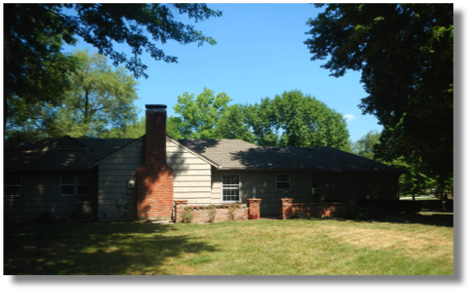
259,53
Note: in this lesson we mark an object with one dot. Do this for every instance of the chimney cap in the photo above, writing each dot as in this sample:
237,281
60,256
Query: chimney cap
155,106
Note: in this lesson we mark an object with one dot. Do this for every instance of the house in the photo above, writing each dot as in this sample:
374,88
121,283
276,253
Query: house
126,179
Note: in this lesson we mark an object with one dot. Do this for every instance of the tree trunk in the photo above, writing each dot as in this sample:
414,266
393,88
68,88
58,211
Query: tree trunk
444,200
86,107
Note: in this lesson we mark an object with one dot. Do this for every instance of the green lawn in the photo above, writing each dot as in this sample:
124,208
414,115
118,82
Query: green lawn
411,245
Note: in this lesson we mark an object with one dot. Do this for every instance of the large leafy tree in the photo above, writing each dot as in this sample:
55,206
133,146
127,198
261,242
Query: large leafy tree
232,124
364,147
197,117
295,119
208,116
418,179
262,119
290,119
405,55
35,69
100,98
134,129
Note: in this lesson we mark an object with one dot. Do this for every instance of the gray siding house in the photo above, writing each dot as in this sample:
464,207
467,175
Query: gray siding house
120,179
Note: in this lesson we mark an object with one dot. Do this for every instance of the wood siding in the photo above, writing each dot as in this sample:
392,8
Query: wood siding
116,201
192,175
40,197
265,186
362,186
332,187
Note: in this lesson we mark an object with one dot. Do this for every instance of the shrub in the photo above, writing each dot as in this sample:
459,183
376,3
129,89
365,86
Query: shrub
232,211
187,215
211,212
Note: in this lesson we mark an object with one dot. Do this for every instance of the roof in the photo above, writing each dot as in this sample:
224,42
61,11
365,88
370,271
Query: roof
237,154
65,153
229,154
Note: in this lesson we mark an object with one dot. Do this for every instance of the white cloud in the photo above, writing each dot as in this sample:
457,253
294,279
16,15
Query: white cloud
349,117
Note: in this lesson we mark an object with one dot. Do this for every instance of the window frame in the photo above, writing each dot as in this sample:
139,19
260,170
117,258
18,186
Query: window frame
75,185
223,186
12,185
277,181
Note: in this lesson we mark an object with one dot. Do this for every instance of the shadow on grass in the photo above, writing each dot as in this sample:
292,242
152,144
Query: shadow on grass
93,248
431,214
431,219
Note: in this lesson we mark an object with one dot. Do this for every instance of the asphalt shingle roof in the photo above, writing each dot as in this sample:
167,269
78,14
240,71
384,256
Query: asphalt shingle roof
74,154
62,154
238,154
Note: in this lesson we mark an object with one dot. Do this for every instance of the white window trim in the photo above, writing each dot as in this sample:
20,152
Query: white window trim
75,185
13,185
276,182
222,189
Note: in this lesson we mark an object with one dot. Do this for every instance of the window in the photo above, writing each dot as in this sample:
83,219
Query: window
75,185
283,181
12,186
230,188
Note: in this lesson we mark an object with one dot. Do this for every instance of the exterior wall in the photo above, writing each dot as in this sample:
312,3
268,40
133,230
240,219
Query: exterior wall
192,176
332,187
40,197
265,186
116,201
342,186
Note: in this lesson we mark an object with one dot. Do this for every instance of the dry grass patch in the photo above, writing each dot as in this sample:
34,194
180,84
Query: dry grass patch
416,244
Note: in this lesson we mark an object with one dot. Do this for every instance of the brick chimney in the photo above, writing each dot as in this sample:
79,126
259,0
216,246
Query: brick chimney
155,178
155,145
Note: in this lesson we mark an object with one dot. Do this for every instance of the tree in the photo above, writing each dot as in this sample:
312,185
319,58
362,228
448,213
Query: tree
405,55
135,129
100,98
291,119
364,147
349,147
35,69
294,119
232,125
417,178
197,117
262,119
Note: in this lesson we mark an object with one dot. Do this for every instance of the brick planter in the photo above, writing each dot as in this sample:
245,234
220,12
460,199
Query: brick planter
199,212
320,209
